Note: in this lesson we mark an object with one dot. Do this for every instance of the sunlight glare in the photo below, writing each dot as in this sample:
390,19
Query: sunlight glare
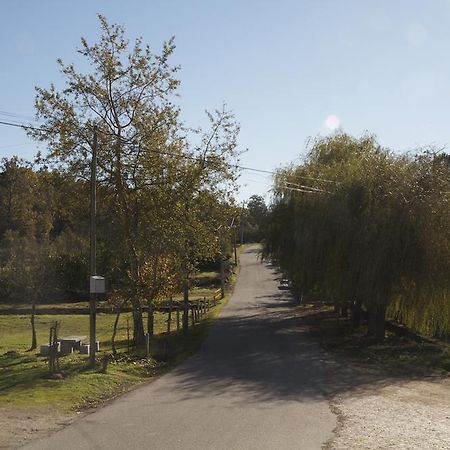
332,122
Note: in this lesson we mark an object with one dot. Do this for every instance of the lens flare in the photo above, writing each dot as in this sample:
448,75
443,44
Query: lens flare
332,122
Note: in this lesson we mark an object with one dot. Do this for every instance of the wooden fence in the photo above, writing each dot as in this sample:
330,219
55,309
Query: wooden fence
163,307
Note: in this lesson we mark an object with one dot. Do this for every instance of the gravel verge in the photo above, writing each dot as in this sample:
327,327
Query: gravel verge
407,415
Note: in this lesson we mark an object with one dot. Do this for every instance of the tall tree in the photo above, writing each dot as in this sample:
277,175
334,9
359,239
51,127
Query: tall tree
254,219
145,165
365,227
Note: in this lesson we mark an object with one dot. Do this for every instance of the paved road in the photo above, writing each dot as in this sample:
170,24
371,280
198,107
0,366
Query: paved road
256,384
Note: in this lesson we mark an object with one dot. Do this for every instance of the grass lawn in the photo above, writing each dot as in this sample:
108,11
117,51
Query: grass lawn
23,379
15,330
211,275
23,375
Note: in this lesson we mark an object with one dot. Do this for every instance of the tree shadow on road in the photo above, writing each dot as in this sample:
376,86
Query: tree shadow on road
264,352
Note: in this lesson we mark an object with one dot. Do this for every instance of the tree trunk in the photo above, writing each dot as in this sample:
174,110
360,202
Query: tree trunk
372,321
150,319
33,326
169,318
355,317
113,338
377,322
185,306
125,213
138,326
380,323
344,309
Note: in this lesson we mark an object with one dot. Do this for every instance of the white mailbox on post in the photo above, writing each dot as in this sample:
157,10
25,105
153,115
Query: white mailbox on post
97,285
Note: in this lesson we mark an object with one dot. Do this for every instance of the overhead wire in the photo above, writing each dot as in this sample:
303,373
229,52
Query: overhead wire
21,125
14,145
163,152
16,117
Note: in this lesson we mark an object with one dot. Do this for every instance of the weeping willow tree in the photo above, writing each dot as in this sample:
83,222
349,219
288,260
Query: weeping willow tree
364,227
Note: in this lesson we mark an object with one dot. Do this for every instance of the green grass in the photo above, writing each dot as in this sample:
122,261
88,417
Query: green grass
23,375
23,381
15,331
211,275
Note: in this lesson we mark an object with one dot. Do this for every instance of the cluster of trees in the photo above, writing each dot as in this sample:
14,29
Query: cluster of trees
253,219
43,234
164,199
369,229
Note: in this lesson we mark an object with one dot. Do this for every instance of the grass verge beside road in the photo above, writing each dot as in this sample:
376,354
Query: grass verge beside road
23,380
31,405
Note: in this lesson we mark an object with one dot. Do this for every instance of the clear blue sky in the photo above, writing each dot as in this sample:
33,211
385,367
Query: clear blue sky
283,67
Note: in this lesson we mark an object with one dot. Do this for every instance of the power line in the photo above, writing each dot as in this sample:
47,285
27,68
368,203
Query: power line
162,152
302,186
305,191
14,145
257,170
298,176
26,127
297,188
17,117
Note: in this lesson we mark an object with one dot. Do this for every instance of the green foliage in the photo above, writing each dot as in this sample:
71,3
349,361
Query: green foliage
164,191
253,219
42,236
359,224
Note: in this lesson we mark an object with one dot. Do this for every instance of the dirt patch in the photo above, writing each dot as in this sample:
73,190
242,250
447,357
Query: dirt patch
21,425
399,355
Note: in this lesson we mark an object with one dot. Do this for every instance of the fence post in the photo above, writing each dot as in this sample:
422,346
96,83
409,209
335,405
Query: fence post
178,320
50,351
53,362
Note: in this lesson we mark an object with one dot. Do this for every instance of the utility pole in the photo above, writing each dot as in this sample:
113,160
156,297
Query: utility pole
185,318
241,224
233,229
93,296
222,270
222,276
234,246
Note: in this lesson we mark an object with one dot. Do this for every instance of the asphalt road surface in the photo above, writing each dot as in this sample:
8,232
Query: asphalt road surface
255,384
